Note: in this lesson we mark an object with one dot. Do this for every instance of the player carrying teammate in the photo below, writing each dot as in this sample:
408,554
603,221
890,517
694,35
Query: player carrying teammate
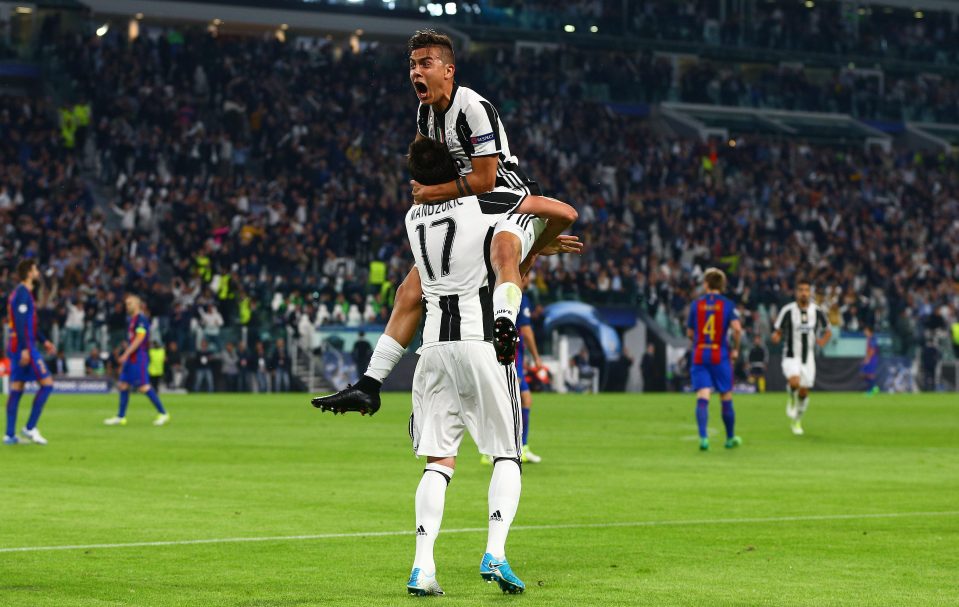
711,316
25,358
458,384
471,129
135,360
800,322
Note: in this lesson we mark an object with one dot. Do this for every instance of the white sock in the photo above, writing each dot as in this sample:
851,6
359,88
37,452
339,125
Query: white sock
386,354
790,402
504,490
430,499
801,408
507,299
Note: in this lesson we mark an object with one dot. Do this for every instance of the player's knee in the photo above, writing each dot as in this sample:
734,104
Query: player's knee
803,392
497,461
569,214
703,394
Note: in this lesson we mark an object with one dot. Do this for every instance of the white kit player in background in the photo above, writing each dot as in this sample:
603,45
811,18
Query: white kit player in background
800,323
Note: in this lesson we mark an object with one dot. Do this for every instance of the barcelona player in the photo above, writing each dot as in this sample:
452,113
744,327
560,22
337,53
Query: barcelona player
870,364
135,360
712,317
26,361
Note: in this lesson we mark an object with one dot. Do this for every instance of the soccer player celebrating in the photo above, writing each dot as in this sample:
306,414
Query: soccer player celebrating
711,317
25,358
870,364
470,128
135,360
458,384
800,322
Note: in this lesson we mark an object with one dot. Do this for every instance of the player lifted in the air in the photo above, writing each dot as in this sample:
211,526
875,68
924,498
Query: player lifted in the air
799,323
25,357
712,317
135,360
470,127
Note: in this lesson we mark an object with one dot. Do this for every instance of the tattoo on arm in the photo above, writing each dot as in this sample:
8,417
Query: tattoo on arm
466,186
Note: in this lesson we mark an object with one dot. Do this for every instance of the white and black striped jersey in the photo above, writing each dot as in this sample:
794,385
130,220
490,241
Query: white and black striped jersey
450,243
800,328
471,127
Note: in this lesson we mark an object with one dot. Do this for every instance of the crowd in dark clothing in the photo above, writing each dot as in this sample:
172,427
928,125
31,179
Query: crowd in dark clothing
261,186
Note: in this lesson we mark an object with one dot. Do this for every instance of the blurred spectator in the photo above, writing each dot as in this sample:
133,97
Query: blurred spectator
259,369
203,363
174,368
571,376
647,367
230,359
243,368
281,367
362,352
93,364
156,367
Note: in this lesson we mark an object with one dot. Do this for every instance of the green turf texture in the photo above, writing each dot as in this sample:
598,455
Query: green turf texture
253,466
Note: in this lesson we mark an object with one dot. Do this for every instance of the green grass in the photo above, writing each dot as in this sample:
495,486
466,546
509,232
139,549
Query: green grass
255,466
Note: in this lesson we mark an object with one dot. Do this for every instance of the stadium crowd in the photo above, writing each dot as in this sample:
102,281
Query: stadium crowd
251,189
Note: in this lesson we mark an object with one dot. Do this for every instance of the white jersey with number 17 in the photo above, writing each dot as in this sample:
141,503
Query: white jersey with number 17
450,242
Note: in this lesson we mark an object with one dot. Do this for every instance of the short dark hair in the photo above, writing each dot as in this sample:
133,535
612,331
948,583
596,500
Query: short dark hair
428,37
24,267
430,162
803,280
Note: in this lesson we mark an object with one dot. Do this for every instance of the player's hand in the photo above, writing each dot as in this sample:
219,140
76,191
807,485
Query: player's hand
563,244
123,358
49,347
822,343
24,357
734,355
419,192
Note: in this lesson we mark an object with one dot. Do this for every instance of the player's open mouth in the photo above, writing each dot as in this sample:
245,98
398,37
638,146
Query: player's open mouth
421,89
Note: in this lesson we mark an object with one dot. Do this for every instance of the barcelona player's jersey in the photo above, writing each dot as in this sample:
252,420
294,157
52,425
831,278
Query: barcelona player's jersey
709,319
22,317
139,323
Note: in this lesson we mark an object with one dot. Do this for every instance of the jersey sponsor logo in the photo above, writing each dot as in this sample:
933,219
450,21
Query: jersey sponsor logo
23,308
482,138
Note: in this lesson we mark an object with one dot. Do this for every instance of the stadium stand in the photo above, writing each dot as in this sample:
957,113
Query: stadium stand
254,189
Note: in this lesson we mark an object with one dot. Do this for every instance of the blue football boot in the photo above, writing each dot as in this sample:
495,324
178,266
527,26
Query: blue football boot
494,570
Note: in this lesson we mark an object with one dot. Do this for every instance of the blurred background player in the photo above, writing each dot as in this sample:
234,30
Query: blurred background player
26,361
711,316
758,361
135,360
870,364
800,322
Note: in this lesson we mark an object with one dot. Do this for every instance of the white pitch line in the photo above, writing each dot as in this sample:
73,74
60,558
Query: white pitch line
362,534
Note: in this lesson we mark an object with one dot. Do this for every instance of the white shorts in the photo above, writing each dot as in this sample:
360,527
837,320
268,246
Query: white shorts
525,227
792,367
459,385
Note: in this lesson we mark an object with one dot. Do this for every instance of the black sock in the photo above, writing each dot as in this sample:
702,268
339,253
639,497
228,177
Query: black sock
368,384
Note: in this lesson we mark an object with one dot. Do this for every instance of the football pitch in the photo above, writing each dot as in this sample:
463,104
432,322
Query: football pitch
262,501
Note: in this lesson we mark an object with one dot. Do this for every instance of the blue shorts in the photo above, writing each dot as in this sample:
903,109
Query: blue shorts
523,385
715,377
135,373
35,371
